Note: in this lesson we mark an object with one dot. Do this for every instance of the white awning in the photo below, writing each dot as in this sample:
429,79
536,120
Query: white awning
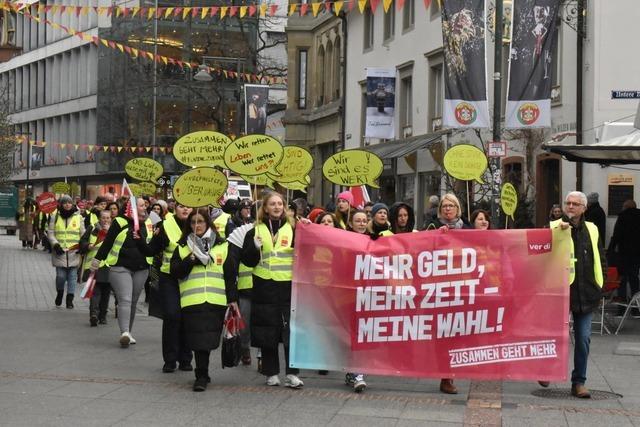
621,150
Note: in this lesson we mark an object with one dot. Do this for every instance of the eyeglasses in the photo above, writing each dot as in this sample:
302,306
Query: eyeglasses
573,204
448,206
359,221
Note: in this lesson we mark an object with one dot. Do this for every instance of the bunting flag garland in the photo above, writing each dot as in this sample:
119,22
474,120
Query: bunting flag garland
201,12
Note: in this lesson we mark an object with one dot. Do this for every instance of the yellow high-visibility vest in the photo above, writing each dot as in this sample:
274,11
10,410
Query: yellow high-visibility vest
149,226
92,252
205,283
173,232
245,277
221,224
69,234
276,262
93,219
114,253
597,266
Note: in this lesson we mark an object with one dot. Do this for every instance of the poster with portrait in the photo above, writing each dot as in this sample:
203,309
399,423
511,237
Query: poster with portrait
465,64
256,98
37,157
533,38
381,101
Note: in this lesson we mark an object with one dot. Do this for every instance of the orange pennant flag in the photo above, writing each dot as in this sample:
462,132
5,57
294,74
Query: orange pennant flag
292,8
315,7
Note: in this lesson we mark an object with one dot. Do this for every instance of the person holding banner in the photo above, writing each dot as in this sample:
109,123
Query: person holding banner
344,206
89,245
66,227
449,215
379,225
268,249
329,219
128,267
480,219
207,287
175,350
586,277
358,223
402,218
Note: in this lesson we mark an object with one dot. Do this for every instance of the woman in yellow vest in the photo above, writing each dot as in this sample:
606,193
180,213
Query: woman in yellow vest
269,249
175,351
379,224
207,286
66,227
128,267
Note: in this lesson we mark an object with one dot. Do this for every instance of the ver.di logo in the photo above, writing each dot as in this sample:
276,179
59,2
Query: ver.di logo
465,113
528,113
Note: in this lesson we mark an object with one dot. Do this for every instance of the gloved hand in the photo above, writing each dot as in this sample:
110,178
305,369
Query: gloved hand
257,241
58,249
95,265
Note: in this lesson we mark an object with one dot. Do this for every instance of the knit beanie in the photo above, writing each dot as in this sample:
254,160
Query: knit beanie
313,215
376,207
346,195
65,199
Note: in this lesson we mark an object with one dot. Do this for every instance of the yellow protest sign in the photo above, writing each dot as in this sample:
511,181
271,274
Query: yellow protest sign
200,187
509,199
147,188
143,169
258,180
203,148
254,155
296,185
353,167
296,163
74,189
465,162
60,188
135,189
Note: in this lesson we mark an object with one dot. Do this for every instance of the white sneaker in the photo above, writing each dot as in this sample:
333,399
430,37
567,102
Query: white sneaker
293,381
359,385
125,339
273,380
132,340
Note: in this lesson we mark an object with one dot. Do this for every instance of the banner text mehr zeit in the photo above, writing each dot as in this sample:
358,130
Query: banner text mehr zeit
452,279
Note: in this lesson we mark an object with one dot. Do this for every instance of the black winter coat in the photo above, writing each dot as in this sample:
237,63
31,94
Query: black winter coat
626,236
596,215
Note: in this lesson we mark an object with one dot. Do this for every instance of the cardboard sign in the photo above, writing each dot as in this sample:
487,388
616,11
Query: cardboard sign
200,187
135,189
509,199
465,162
60,188
203,148
296,163
353,167
254,155
143,169
147,188
47,202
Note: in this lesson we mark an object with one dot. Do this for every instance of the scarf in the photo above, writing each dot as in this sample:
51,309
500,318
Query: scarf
456,223
200,246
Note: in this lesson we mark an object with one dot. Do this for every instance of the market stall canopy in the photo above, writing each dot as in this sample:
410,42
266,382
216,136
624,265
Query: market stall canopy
405,146
621,150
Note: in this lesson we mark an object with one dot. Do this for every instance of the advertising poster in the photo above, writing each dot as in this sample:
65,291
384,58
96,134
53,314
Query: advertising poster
256,98
381,101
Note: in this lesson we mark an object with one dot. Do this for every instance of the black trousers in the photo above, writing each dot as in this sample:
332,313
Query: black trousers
99,302
202,363
271,361
174,342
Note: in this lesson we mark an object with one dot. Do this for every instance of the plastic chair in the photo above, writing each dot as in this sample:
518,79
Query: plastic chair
634,303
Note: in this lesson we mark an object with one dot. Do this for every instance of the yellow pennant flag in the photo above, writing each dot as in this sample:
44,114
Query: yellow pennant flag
164,59
135,11
205,11
118,11
119,149
315,7
337,7
168,12
62,145
147,149
84,11
243,11
104,42
121,47
292,8
185,12
152,11
223,11
263,9
40,7
361,5
87,37
71,10
44,143
386,4
105,148
76,146
134,52
149,55
102,11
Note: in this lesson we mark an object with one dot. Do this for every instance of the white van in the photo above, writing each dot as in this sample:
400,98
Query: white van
238,189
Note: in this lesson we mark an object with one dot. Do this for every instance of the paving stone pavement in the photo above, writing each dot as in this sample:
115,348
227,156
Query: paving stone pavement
56,370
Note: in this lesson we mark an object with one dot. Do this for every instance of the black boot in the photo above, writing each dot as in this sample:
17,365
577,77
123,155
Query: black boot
70,301
59,298
202,379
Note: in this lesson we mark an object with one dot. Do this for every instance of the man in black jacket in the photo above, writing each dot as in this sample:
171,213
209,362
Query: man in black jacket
596,215
625,248
586,281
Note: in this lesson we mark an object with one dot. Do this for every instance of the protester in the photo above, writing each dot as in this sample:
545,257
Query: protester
114,209
432,210
367,209
315,212
358,223
157,208
344,206
586,278
402,218
379,225
269,249
624,248
164,207
207,286
25,217
93,214
171,205
327,218
128,267
65,229
555,213
175,350
89,244
480,219
449,217
596,215
222,220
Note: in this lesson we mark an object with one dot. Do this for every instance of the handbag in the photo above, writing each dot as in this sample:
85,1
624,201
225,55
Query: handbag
231,351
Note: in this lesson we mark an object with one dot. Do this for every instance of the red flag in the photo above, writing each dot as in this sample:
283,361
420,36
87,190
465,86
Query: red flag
360,196
427,3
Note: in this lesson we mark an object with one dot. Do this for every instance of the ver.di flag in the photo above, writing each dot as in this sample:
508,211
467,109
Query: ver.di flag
533,38
465,69
381,93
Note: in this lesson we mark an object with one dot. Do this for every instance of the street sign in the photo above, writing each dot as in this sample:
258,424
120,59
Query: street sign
625,94
497,149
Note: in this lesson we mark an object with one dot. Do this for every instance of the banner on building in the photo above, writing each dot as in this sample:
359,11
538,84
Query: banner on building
465,64
472,304
256,98
534,36
37,157
381,101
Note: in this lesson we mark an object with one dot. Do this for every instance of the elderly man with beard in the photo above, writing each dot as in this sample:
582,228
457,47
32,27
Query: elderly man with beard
586,277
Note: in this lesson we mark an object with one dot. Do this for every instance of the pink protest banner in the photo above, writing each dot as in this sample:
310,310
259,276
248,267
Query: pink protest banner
466,303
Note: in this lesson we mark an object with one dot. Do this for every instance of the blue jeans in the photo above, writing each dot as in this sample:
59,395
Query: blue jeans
582,334
68,275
